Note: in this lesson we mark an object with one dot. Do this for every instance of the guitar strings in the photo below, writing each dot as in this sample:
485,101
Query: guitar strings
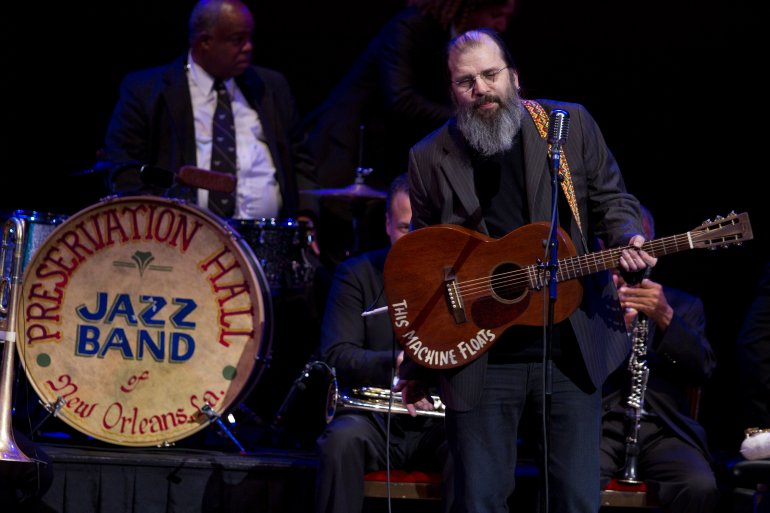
570,267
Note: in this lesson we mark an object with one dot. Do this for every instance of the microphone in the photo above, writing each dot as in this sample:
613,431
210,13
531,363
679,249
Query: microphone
156,176
205,179
558,128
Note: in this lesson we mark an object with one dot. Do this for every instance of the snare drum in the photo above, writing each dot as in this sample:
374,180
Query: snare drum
282,247
138,312
37,227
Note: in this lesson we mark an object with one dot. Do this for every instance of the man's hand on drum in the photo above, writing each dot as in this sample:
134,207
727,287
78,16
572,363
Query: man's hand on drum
414,395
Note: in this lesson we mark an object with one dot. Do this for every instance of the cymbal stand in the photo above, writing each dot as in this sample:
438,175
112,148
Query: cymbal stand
358,206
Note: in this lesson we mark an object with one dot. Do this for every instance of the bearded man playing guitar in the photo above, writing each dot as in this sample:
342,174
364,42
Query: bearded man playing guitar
487,170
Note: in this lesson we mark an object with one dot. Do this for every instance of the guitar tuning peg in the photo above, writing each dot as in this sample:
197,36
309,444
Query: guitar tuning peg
719,218
707,221
732,214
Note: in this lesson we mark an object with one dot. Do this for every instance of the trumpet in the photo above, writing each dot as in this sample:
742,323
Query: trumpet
9,300
383,401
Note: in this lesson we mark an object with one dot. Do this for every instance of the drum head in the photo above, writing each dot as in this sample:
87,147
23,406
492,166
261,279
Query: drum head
136,313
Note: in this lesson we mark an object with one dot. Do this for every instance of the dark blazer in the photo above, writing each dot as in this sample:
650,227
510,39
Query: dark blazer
679,358
361,349
397,89
152,123
442,191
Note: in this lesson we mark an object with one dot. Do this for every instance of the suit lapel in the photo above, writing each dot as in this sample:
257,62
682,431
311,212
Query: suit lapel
177,94
456,165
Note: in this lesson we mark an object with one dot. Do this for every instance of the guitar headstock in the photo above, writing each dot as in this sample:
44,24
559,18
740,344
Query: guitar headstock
723,231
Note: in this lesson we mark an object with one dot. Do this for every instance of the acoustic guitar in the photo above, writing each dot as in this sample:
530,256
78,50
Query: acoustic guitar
452,291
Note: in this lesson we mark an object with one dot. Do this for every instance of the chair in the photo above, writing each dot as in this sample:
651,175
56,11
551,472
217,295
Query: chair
621,495
403,485
416,485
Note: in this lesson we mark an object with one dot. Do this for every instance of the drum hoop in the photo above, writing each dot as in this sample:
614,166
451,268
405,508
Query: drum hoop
272,222
253,273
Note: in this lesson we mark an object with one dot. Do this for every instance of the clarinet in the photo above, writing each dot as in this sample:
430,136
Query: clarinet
637,365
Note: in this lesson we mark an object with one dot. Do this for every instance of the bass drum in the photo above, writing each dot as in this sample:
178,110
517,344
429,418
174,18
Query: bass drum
138,312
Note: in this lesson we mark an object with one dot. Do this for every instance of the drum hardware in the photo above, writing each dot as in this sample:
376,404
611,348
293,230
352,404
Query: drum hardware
300,385
355,191
52,409
216,417
357,194
358,189
9,291
383,401
304,414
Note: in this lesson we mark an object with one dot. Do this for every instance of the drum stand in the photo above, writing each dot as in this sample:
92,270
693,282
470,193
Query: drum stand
52,409
216,417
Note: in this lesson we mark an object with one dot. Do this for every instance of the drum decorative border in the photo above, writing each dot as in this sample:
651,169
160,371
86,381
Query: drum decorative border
136,313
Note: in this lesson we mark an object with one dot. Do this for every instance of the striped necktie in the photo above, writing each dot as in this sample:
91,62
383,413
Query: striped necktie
223,155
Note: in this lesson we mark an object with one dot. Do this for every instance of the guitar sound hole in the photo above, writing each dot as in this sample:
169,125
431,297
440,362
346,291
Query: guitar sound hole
505,285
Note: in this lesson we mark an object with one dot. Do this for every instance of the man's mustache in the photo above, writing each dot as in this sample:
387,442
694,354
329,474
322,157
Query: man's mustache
487,98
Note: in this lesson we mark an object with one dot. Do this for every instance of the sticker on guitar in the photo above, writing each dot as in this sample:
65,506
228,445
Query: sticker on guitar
453,291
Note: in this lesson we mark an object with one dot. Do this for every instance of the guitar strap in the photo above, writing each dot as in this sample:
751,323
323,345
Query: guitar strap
541,122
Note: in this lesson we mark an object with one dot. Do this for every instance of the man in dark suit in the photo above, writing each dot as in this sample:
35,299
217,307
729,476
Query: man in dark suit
487,169
364,353
668,328
164,118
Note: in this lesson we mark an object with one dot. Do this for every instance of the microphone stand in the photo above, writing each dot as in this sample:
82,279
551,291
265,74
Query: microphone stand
551,268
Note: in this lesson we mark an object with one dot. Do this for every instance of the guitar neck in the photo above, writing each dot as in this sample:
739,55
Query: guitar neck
577,266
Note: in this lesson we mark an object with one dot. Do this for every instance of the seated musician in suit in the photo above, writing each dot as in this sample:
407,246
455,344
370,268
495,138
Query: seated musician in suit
673,457
364,352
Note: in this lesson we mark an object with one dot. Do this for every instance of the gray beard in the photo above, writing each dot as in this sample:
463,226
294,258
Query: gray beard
495,134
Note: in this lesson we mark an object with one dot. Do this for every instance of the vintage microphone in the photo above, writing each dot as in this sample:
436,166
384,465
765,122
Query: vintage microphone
558,129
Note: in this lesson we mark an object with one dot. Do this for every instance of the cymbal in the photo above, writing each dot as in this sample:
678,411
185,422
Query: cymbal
354,191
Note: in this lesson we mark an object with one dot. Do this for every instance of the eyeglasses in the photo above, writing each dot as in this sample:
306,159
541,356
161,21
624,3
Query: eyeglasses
468,83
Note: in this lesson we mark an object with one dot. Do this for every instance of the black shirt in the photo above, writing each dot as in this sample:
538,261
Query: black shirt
501,189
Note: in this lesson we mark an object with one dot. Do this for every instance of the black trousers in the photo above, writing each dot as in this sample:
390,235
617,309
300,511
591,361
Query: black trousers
677,472
355,443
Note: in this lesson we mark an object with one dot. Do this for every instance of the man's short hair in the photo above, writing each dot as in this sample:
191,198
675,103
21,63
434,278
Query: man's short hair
399,184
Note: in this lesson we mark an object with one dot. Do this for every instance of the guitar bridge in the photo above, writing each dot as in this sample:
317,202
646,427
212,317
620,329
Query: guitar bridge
453,297
536,275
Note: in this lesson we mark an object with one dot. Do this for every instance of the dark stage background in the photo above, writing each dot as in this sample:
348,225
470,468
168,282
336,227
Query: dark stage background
672,84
